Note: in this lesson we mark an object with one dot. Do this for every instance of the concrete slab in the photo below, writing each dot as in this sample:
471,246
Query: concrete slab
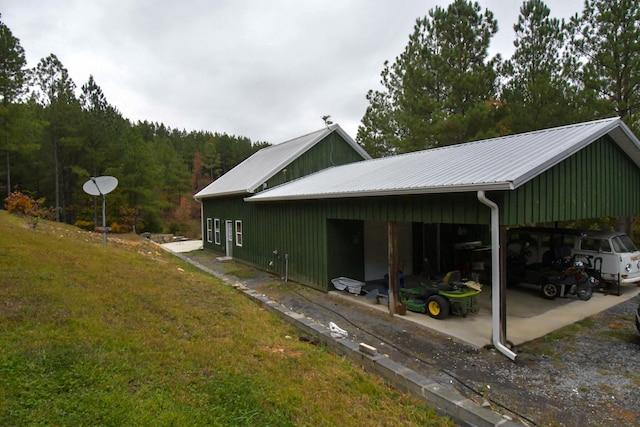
183,246
529,316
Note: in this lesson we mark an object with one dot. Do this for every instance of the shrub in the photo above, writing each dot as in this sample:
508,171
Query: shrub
24,205
85,225
117,228
21,204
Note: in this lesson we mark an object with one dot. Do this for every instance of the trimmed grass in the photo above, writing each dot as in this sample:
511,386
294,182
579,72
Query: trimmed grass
239,271
128,335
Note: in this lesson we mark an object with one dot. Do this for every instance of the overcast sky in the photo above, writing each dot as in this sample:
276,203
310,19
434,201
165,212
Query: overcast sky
264,69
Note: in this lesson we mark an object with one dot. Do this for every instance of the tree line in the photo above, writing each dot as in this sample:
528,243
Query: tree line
444,88
54,137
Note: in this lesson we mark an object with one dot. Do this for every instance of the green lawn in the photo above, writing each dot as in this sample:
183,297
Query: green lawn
128,335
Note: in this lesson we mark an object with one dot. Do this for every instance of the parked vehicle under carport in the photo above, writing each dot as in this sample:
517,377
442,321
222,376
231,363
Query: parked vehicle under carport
563,278
573,280
533,254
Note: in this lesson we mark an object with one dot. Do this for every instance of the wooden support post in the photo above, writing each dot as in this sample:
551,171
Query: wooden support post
393,266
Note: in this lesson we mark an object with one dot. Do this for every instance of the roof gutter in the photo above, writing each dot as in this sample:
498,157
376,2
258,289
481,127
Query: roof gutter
495,277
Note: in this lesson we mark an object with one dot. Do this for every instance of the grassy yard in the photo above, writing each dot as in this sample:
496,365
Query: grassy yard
129,335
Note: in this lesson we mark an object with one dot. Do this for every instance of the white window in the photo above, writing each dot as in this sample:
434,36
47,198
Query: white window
238,232
216,231
209,230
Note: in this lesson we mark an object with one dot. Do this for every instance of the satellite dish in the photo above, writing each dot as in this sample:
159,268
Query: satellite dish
100,185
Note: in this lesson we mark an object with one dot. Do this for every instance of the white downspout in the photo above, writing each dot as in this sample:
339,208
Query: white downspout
495,276
202,222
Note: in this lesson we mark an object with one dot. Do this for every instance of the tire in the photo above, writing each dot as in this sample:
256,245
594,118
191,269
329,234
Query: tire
549,291
584,292
437,307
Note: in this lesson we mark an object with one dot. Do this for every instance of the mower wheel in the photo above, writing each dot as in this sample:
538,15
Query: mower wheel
437,307
549,291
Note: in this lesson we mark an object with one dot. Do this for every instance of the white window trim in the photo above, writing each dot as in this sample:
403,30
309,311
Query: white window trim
238,232
209,230
216,231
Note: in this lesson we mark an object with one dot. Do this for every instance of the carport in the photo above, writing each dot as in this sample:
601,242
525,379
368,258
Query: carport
580,171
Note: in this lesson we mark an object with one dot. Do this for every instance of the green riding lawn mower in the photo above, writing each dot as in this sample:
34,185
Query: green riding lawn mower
452,295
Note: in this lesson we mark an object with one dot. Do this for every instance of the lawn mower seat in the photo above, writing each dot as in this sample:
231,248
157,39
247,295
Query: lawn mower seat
450,280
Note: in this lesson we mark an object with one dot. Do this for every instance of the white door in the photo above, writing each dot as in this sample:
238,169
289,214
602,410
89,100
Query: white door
228,225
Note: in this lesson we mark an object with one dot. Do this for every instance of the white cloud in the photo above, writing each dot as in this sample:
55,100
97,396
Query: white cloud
265,70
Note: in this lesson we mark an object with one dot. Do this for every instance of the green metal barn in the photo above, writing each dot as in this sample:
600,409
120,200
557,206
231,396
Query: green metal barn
333,222
317,207
264,236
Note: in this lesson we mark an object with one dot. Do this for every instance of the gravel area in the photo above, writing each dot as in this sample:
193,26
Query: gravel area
586,374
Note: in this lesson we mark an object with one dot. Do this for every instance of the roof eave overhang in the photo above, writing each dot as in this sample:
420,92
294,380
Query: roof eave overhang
222,194
497,186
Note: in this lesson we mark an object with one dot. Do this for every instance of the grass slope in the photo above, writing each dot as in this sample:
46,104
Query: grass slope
129,335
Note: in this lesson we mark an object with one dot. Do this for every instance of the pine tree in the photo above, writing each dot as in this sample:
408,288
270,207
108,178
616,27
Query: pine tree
13,84
435,91
606,40
536,92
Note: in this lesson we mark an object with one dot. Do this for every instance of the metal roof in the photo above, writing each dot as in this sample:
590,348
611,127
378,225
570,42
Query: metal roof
502,163
265,163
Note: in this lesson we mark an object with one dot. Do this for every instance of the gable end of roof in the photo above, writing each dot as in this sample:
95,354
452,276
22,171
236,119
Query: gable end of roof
253,172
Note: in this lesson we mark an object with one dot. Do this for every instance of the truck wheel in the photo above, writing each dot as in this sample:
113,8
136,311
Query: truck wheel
549,291
437,307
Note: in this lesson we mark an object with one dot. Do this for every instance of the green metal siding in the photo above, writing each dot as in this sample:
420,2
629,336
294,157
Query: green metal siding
455,208
331,151
299,229
280,232
292,230
600,180
597,181
223,209
272,233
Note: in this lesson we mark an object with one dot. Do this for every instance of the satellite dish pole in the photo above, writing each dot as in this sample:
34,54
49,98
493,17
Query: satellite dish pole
104,213
101,186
